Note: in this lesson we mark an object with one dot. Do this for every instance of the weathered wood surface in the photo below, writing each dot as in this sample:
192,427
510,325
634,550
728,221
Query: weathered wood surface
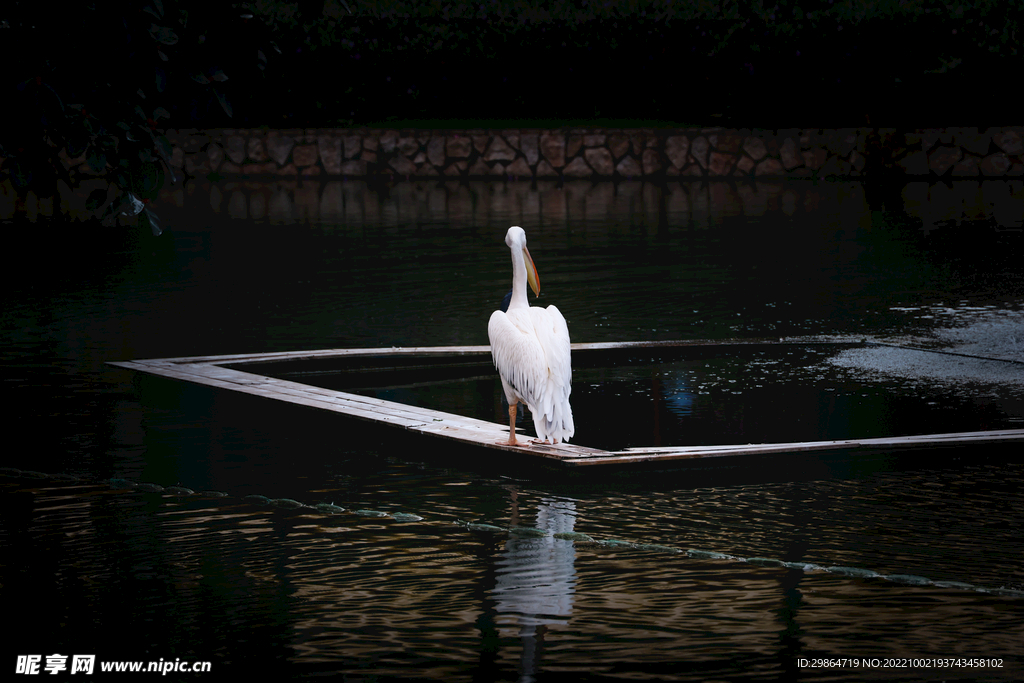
210,370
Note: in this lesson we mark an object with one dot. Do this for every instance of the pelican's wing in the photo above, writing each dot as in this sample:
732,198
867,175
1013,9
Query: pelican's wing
552,412
517,354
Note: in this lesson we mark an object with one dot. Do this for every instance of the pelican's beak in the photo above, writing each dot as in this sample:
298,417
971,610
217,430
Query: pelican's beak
532,278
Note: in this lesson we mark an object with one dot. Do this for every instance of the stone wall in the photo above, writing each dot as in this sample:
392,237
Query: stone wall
601,153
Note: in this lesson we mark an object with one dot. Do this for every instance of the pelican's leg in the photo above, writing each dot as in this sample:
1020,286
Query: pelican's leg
512,427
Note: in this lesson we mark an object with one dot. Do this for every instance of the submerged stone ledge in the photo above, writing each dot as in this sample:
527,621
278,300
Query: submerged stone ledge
600,153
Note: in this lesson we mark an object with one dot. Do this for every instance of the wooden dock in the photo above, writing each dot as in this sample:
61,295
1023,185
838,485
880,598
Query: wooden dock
213,371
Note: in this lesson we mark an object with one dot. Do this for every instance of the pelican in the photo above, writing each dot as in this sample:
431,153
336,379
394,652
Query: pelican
530,348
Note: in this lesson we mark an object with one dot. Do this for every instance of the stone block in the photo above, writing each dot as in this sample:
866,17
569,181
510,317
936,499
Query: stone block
480,142
528,143
789,154
355,167
499,150
600,159
754,147
995,164
458,146
368,156
572,146
402,165
915,163
578,168
699,149
408,146
857,160
234,146
815,157
427,171
310,171
255,149
848,140
480,170
370,142
1009,141
618,145
652,161
968,166
279,147
195,142
730,143
197,164
329,147
456,168
544,170
943,158
519,168
973,141
629,167
835,166
512,138
435,151
594,140
304,155
770,167
388,141
353,145
676,149
692,171
721,164
229,168
288,170
745,165
215,155
929,138
552,146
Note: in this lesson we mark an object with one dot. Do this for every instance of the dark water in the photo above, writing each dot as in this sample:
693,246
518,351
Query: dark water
91,568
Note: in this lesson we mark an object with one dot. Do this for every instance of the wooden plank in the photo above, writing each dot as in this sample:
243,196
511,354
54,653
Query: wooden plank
209,370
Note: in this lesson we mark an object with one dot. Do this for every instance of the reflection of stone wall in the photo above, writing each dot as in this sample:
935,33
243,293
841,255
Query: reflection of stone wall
547,203
604,153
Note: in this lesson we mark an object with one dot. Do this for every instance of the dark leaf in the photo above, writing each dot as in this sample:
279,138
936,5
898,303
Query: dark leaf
95,200
153,220
200,78
147,180
163,147
162,34
108,142
97,161
156,8
224,103
161,79
76,145
161,113
219,75
21,174
161,55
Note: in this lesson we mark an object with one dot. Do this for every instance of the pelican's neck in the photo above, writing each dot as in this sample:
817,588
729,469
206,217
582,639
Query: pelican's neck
519,299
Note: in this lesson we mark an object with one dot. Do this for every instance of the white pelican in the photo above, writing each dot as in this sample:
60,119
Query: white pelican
530,348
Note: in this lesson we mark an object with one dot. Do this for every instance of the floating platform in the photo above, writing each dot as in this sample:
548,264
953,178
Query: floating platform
223,372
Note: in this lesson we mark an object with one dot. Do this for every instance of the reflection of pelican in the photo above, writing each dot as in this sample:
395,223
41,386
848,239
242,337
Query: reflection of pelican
530,348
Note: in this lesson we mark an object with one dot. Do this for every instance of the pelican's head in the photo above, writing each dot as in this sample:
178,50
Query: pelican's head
515,238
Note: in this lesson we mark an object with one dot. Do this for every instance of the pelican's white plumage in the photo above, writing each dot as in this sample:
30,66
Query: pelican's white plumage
530,348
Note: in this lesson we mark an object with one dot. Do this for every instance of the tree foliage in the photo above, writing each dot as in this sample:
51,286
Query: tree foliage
98,83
